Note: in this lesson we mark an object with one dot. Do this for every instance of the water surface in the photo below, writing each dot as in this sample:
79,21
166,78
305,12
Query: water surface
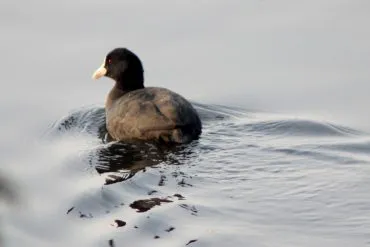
281,88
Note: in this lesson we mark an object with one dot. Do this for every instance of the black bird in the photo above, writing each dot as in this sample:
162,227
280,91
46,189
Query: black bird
135,112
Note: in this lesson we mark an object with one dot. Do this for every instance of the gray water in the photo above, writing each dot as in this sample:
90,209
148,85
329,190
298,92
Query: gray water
281,87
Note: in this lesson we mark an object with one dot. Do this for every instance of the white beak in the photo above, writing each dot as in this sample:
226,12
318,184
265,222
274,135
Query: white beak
101,71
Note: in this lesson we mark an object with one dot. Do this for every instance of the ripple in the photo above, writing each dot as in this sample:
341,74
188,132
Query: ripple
357,146
249,170
90,120
297,127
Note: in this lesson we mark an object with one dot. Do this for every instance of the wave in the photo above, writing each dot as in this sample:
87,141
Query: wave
297,127
120,161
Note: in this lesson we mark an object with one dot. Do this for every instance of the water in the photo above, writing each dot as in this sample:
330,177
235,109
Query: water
252,179
288,167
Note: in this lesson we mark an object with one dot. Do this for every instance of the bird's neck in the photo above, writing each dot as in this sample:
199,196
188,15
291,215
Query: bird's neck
128,84
117,92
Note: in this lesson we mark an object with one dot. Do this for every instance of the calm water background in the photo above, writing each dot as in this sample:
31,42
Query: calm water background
282,88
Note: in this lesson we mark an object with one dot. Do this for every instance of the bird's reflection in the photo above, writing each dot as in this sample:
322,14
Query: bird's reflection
121,161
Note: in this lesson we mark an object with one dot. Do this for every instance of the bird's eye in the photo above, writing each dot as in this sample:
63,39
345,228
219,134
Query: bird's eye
109,61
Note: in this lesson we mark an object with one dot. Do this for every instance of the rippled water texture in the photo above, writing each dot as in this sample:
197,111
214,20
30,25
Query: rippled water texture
281,87
252,179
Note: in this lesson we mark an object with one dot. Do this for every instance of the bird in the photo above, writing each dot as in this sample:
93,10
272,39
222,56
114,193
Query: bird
138,113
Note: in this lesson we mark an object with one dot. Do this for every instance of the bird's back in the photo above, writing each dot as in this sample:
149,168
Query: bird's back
153,113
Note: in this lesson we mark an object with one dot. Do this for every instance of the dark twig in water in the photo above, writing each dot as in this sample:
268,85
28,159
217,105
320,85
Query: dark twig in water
192,241
70,210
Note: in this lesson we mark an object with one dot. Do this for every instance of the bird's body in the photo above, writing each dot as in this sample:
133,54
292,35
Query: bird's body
134,112
152,114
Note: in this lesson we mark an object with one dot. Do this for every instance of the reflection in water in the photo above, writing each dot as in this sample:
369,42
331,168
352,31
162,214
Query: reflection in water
123,160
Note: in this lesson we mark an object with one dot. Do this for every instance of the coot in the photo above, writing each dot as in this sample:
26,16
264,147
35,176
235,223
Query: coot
135,112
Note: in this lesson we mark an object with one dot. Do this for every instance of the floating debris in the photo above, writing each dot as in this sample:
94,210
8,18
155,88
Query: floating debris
152,192
162,180
182,183
82,215
170,229
147,204
118,223
70,210
192,241
194,210
180,197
